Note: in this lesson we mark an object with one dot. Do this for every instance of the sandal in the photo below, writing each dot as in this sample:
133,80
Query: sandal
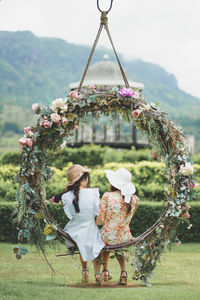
85,275
106,275
123,279
99,280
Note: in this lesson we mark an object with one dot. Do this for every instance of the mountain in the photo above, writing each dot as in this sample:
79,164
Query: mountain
34,69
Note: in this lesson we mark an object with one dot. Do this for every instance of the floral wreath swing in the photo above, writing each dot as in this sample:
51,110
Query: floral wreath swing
58,121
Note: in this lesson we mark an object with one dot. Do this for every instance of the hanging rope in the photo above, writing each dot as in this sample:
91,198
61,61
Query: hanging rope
103,24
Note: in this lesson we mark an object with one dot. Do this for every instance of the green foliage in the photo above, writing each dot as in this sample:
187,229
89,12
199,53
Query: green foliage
92,155
145,216
89,155
148,178
8,232
9,172
10,157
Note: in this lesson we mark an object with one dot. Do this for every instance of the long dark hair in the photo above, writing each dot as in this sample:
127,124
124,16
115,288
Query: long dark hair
75,188
128,205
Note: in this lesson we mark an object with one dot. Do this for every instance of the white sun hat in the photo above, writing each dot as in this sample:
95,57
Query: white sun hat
121,179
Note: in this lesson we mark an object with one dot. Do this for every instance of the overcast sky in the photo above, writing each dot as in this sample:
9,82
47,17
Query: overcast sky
166,32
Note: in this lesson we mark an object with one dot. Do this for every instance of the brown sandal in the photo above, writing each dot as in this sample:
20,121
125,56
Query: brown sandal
85,275
106,276
99,280
123,279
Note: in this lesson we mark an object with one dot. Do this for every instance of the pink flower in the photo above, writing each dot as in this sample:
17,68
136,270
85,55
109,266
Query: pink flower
46,123
22,142
127,92
30,134
184,207
35,107
136,113
191,185
26,142
52,200
55,118
92,87
27,129
64,121
153,154
29,142
74,94
187,215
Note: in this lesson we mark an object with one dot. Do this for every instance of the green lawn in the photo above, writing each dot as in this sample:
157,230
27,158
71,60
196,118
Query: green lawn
177,277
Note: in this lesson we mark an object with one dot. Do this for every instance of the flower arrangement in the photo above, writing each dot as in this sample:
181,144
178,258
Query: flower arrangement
58,121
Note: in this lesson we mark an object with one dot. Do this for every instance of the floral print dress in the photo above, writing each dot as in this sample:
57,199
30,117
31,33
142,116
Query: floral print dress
114,218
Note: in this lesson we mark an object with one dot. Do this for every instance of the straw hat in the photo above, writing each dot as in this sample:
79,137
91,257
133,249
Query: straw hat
74,173
121,179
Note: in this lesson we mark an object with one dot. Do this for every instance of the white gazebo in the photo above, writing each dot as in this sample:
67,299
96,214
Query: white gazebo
105,75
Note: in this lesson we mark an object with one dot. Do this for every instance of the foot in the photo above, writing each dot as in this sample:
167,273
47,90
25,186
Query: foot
85,275
123,278
106,275
99,279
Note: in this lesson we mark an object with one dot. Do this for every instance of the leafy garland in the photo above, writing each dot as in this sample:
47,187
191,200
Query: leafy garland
57,122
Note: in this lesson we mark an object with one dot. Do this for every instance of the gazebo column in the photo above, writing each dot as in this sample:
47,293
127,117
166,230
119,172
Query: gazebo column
82,134
104,133
117,131
134,134
93,131
76,135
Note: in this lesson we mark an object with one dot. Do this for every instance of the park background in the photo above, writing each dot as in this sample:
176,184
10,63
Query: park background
38,67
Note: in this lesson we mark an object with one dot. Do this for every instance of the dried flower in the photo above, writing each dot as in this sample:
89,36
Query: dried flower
36,107
153,154
186,169
46,123
59,104
74,95
191,185
55,118
92,87
136,113
27,129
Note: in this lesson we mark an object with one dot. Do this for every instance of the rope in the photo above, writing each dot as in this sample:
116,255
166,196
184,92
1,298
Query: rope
103,23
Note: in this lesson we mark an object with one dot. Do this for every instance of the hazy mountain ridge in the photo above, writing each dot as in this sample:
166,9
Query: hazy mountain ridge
33,69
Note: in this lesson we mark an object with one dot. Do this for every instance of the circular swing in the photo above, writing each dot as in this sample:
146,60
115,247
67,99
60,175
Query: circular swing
58,121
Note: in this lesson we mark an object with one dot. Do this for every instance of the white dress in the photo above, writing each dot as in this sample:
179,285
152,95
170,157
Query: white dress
82,226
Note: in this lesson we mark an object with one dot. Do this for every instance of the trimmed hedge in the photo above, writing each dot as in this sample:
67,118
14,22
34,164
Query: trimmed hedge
90,155
145,216
148,178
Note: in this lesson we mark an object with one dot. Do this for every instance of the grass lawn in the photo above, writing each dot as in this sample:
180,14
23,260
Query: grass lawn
177,277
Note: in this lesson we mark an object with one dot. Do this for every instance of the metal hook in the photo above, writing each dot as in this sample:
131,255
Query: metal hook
107,11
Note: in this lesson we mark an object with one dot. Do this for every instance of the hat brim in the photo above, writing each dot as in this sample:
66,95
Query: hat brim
78,177
112,178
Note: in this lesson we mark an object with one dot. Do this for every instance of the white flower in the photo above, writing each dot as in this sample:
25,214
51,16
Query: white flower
187,169
137,95
146,106
59,104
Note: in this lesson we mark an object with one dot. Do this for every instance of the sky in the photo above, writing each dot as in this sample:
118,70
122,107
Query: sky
165,32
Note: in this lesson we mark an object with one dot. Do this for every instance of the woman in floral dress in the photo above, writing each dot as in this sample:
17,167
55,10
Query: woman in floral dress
116,211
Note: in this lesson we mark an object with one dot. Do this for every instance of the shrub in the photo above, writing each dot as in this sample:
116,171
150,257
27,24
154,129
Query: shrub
145,216
10,157
9,172
7,190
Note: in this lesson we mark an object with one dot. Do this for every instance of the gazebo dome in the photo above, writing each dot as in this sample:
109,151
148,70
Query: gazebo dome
105,73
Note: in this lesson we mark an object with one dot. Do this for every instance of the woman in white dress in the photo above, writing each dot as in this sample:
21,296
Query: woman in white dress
81,205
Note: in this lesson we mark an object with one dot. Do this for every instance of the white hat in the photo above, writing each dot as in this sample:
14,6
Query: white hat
121,179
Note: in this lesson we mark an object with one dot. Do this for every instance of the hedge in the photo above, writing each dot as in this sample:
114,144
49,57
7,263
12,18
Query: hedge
90,155
145,216
148,178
